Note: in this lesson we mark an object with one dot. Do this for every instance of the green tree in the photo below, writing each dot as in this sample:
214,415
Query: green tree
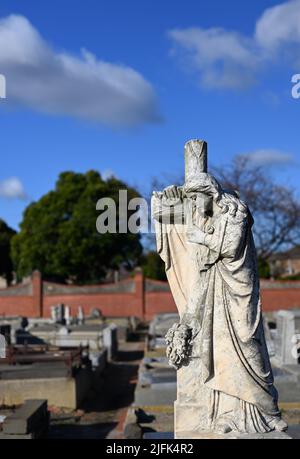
263,268
153,266
58,233
6,265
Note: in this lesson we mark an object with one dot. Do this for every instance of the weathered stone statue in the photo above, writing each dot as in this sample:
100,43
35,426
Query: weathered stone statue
225,381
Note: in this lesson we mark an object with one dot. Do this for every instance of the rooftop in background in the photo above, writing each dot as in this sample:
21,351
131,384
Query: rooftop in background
291,254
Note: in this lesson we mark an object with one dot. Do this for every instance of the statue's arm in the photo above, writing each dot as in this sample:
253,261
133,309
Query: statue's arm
226,237
234,236
166,211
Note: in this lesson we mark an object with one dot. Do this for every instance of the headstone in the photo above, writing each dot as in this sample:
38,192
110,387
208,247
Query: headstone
80,316
96,313
58,313
53,312
63,331
31,417
68,317
287,342
5,330
158,328
2,347
110,340
269,338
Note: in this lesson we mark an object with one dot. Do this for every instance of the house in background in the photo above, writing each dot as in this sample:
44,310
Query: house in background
285,264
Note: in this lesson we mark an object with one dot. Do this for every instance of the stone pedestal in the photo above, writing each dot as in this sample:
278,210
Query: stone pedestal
231,436
192,403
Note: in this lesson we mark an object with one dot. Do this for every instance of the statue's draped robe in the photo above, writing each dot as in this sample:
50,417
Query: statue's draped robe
218,283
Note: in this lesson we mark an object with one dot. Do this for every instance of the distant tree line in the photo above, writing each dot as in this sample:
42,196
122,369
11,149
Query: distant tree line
58,234
6,263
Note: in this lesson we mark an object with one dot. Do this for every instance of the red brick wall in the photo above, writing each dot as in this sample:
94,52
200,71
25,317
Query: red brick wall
143,301
13,302
272,300
158,302
113,305
18,306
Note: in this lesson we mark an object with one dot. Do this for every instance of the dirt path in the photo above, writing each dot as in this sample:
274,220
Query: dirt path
103,415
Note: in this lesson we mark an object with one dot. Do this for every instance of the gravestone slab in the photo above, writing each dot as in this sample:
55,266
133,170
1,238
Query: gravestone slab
287,337
30,417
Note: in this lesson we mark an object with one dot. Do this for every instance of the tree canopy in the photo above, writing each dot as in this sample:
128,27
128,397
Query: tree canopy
153,266
6,265
276,208
58,233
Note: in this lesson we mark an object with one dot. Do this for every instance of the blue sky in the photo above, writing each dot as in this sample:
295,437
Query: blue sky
121,85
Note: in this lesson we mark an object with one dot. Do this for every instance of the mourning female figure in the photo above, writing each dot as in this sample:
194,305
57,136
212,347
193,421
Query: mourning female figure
225,378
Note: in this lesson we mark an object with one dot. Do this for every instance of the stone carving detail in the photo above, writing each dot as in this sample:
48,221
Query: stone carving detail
179,345
204,236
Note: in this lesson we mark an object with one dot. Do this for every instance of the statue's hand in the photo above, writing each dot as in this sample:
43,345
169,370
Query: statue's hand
195,235
172,193
191,322
157,194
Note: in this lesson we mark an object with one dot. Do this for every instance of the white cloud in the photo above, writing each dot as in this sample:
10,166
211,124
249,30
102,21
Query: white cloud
12,188
270,157
224,59
229,60
279,25
63,84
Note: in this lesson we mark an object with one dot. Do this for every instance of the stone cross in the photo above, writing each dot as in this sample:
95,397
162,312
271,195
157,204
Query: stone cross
195,155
